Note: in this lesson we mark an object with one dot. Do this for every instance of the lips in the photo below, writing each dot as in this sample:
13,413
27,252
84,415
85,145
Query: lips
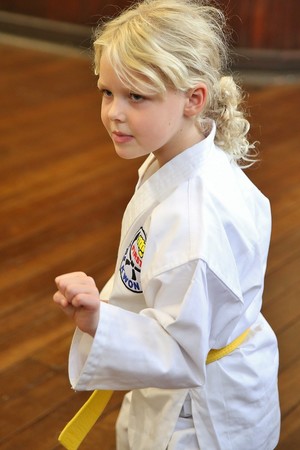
120,137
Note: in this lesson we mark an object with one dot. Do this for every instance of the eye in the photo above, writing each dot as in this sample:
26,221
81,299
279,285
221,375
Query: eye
136,97
106,93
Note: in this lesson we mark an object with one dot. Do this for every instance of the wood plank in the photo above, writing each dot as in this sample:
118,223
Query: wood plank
290,435
289,388
62,195
289,344
21,412
281,312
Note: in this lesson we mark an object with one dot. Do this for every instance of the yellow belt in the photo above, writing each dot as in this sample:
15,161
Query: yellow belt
78,427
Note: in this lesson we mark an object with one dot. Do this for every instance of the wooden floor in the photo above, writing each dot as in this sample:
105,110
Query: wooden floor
62,194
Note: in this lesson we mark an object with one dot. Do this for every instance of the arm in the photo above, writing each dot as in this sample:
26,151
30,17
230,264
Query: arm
163,346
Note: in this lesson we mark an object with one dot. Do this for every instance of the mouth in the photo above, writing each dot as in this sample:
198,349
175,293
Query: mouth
120,137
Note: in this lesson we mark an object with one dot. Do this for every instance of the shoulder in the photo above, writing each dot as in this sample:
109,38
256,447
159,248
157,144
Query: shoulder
177,228
212,217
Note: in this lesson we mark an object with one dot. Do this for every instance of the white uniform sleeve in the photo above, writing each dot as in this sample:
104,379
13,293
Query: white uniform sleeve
163,346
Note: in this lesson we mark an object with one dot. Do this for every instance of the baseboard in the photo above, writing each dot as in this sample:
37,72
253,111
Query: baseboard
46,30
79,36
267,60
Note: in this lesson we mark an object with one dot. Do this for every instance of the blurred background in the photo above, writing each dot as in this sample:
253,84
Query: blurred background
63,192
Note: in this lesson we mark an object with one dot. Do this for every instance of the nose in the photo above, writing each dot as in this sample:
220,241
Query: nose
116,111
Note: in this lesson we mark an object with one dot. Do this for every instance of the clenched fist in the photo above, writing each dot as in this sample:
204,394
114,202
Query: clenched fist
78,296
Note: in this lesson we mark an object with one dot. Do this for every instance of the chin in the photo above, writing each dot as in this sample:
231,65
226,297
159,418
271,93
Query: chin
124,153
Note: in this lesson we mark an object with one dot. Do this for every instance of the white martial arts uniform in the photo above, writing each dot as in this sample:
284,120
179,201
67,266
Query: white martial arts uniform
189,278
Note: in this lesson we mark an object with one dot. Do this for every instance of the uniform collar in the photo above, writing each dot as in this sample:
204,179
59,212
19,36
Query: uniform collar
179,168
175,172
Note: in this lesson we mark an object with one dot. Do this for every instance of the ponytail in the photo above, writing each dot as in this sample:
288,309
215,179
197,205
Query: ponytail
231,124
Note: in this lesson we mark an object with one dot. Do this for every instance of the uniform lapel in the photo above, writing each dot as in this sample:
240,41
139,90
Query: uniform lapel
163,182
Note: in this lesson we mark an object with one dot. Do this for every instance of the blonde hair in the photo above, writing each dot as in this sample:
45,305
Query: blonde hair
157,44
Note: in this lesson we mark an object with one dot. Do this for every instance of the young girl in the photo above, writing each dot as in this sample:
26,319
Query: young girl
190,270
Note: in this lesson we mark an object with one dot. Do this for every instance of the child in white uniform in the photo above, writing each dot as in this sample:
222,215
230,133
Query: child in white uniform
190,270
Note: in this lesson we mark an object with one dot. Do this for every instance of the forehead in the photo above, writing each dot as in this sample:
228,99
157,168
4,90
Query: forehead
106,70
118,74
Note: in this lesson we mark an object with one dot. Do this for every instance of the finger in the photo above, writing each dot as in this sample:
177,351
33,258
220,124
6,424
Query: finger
63,303
68,276
71,290
60,299
65,281
86,301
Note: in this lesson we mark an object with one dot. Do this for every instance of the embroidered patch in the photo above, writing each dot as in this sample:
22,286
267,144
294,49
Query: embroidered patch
131,264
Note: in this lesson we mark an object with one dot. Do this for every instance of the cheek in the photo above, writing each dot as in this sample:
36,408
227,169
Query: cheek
104,118
163,125
102,114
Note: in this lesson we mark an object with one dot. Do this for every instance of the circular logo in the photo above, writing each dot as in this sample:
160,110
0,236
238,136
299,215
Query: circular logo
131,264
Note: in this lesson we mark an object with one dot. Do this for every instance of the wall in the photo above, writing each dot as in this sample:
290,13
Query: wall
268,24
83,12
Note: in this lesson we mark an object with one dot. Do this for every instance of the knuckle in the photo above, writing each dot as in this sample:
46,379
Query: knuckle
91,280
81,274
77,300
69,291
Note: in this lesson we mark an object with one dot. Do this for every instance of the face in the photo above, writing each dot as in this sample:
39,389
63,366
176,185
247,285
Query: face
140,124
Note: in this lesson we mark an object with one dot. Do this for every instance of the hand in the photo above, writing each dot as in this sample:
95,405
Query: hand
78,297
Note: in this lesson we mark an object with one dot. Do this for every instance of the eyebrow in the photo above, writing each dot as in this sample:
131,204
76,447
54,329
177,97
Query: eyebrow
100,85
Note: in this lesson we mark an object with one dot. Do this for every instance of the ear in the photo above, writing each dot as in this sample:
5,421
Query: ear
195,100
